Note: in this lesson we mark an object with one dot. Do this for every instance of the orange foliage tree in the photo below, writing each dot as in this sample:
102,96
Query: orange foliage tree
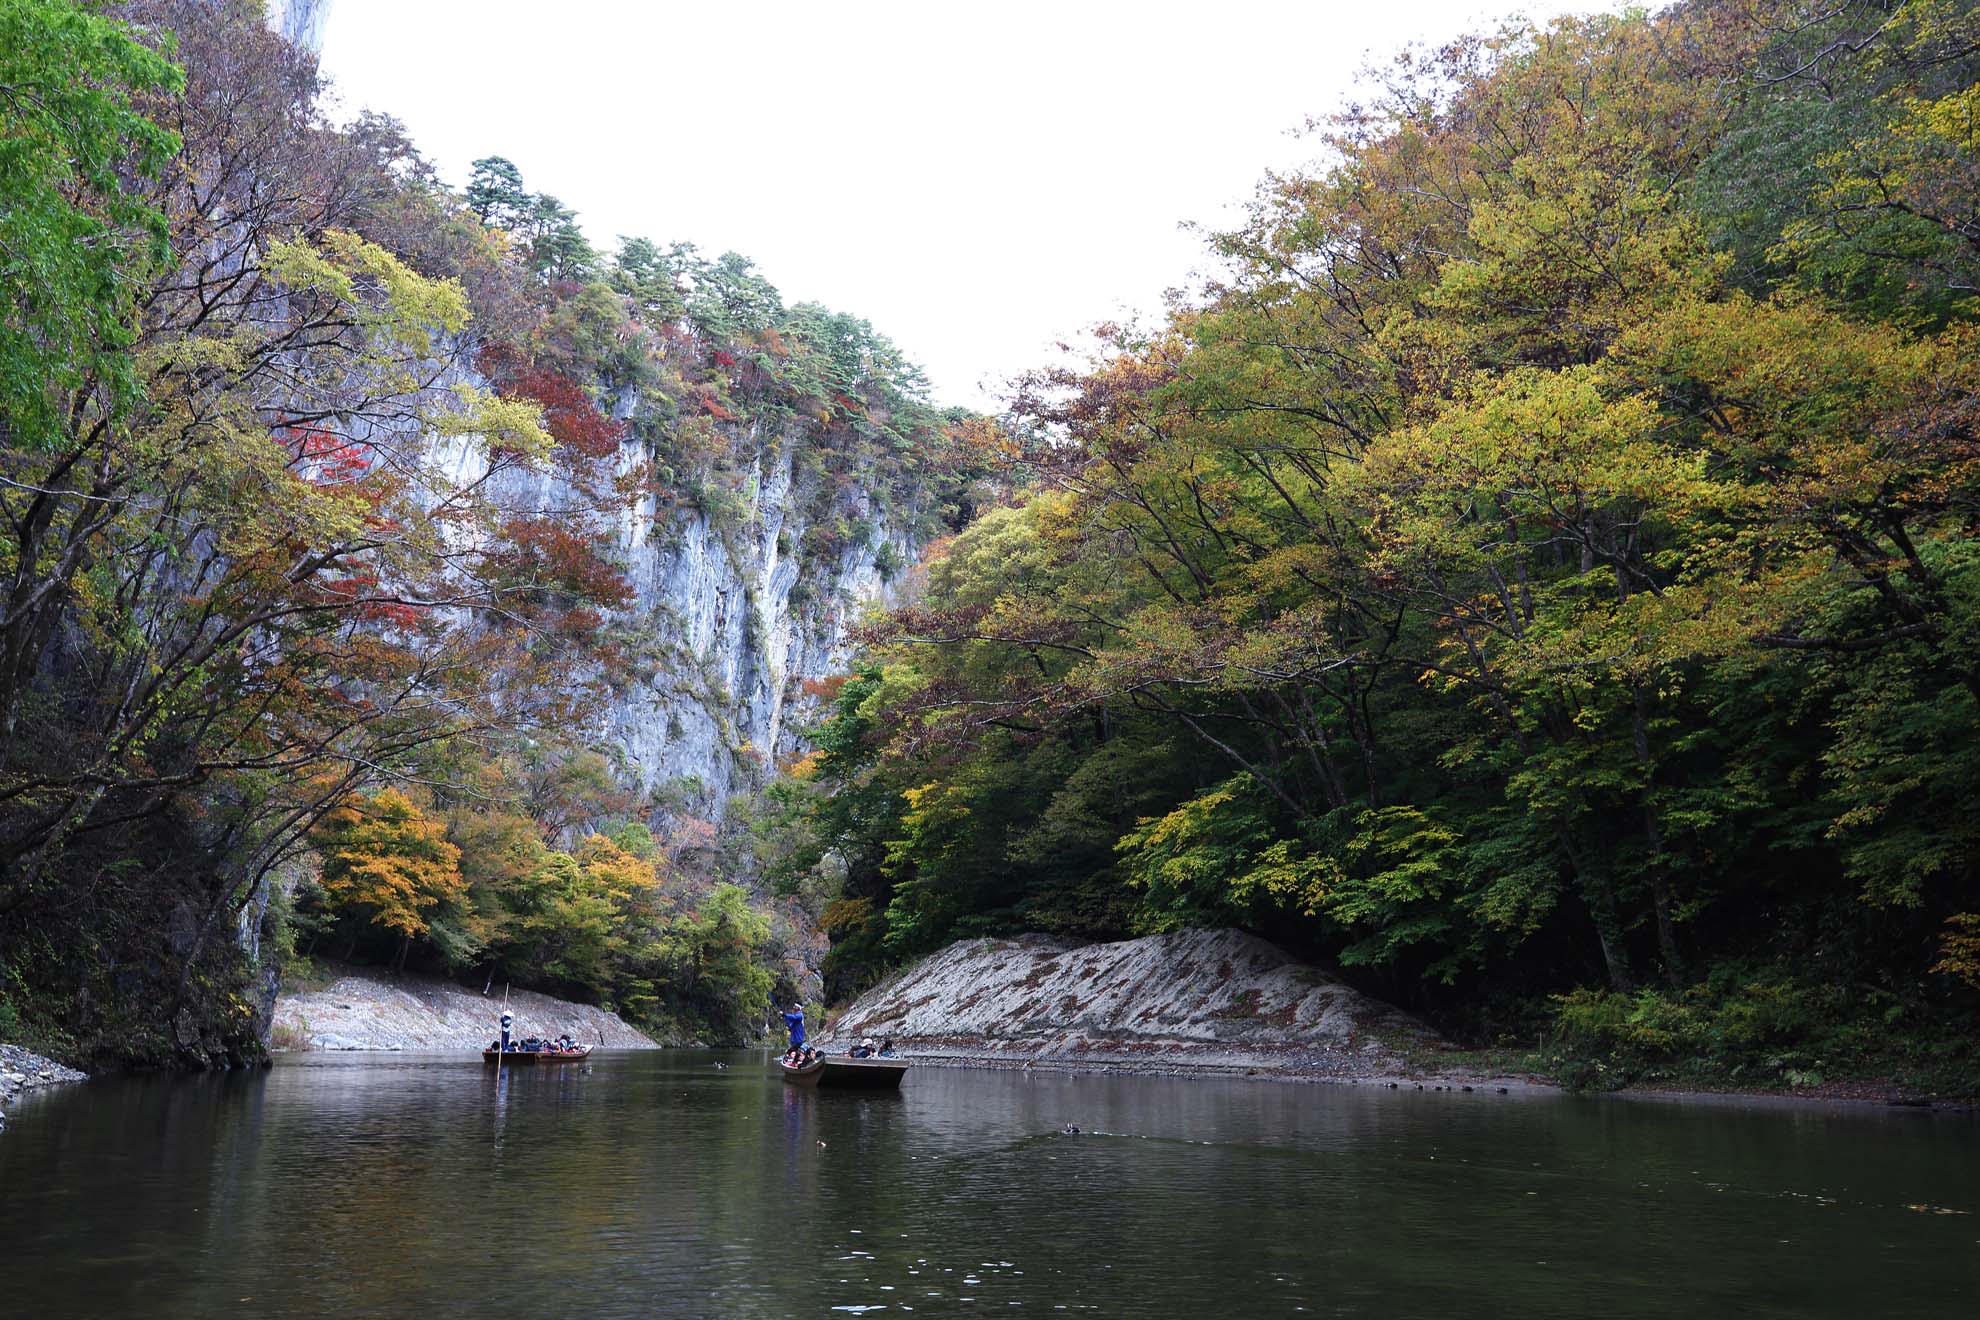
383,854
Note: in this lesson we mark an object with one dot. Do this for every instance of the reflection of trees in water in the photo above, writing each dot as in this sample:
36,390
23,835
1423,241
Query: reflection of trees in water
657,1184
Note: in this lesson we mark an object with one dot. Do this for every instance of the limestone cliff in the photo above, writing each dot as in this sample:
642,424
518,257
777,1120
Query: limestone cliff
300,21
733,608
731,612
728,622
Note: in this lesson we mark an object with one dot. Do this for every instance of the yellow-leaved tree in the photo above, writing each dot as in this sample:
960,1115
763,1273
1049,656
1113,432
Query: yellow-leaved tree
382,854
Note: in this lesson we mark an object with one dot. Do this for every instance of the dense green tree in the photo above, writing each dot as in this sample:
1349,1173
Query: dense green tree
76,247
714,954
558,249
649,277
496,195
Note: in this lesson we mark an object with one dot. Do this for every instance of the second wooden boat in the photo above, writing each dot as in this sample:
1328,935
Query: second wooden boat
514,1056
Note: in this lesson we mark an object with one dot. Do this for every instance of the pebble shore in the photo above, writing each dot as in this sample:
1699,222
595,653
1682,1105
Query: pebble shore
21,1071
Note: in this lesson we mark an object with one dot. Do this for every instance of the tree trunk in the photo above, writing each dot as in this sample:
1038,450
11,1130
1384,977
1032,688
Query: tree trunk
1608,933
1653,837
1600,896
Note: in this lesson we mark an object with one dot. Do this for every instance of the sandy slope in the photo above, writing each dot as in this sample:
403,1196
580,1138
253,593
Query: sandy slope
366,1009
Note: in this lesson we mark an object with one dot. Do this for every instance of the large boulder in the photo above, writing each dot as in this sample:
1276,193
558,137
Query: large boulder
1218,999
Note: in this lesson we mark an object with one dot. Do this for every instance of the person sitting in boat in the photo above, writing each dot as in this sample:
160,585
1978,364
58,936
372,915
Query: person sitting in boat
887,1048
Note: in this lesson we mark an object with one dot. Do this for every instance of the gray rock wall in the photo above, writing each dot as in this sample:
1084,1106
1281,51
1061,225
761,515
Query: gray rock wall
730,615
21,1072
301,21
727,623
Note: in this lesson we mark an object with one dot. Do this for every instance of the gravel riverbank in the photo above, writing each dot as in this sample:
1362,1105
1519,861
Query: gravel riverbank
369,1009
21,1071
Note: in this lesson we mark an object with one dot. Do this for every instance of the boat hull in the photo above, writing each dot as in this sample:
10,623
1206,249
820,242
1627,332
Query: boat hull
838,1073
802,1076
514,1057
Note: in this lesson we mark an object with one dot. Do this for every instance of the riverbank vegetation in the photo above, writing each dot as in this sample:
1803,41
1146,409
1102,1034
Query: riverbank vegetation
1537,574
310,573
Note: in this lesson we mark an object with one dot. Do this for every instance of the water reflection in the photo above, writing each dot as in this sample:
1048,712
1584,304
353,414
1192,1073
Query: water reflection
659,1185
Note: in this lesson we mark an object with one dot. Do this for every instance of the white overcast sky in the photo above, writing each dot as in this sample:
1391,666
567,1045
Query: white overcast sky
979,180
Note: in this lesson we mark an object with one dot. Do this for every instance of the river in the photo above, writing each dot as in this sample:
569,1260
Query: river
660,1185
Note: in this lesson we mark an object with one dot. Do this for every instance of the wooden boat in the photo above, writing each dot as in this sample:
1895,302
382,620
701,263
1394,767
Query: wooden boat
839,1071
515,1056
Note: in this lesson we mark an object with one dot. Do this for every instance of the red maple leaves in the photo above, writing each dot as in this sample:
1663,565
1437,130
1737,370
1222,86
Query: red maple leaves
554,557
573,420
324,457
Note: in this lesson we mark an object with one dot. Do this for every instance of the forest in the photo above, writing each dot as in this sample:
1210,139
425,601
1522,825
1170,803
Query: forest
1536,574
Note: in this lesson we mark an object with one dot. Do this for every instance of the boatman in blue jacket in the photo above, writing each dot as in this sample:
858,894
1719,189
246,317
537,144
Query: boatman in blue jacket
795,1021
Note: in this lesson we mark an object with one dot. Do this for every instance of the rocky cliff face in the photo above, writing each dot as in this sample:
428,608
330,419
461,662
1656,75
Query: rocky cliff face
731,613
1200,999
728,622
728,619
301,21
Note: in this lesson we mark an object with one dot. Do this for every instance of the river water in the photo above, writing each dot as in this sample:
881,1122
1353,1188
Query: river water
660,1185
